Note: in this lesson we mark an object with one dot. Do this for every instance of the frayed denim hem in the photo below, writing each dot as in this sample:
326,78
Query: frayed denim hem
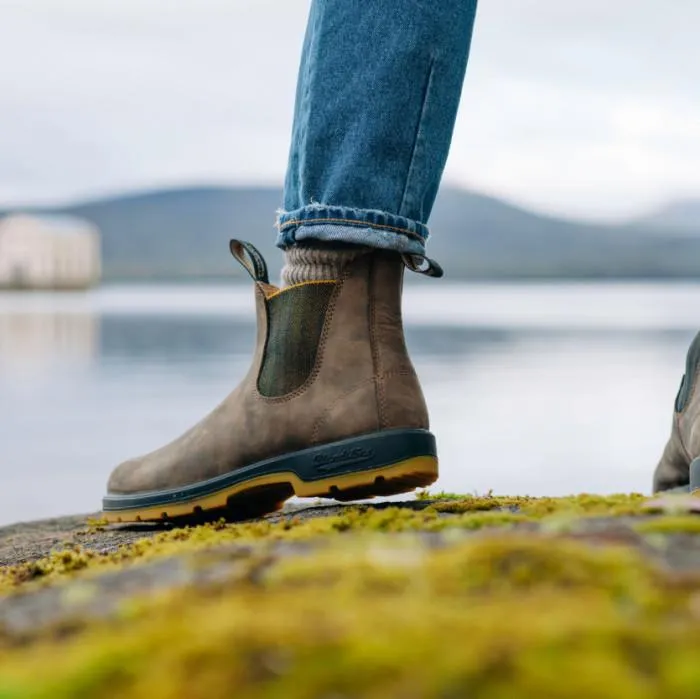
367,227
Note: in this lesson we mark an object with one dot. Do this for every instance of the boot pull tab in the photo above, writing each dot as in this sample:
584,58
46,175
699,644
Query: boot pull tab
422,265
249,256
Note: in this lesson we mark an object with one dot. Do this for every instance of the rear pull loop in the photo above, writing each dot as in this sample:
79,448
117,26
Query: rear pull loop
249,256
422,265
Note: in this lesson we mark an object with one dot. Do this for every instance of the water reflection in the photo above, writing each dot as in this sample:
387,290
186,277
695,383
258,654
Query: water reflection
45,339
172,339
40,338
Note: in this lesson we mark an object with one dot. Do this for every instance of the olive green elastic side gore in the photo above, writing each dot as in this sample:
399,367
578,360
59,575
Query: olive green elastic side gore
691,367
295,322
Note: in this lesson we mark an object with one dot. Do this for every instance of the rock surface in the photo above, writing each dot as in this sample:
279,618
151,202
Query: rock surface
456,596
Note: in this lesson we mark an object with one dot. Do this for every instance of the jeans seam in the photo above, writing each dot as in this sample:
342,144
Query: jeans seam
304,99
368,224
416,140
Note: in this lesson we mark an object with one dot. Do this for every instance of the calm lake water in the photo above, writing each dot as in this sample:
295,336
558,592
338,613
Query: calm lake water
533,389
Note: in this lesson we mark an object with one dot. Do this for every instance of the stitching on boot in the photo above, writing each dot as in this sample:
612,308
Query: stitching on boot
296,321
374,344
330,309
323,418
277,291
321,349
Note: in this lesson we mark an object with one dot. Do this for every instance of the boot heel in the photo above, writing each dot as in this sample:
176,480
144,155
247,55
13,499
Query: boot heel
383,463
403,477
695,477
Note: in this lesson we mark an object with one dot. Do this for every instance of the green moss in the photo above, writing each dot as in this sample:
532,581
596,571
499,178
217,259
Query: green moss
678,524
465,512
65,563
496,616
58,563
96,524
515,611
475,503
610,505
441,495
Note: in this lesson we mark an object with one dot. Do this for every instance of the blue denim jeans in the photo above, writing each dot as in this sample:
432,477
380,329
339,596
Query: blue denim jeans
376,101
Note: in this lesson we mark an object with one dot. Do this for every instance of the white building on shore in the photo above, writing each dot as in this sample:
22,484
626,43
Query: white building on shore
48,252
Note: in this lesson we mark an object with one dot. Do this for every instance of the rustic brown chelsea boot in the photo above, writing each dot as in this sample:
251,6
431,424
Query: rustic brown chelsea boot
679,467
331,407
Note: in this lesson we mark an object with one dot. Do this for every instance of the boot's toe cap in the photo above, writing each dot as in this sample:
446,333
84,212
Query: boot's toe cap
128,478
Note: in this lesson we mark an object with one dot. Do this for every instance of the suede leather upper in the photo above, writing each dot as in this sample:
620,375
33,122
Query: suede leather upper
362,381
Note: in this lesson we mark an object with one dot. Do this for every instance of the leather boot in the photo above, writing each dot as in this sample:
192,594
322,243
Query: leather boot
331,407
679,467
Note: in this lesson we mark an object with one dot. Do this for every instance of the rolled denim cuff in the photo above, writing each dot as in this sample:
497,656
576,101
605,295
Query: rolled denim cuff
377,229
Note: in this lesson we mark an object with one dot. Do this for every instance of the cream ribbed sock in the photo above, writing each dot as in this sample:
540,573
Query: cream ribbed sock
308,263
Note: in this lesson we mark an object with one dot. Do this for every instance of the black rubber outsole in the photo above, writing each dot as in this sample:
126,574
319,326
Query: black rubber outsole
381,463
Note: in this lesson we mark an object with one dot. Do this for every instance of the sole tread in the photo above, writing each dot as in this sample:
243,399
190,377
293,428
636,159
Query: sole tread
266,495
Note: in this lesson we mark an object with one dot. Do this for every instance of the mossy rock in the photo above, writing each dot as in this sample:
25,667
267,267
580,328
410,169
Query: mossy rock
443,597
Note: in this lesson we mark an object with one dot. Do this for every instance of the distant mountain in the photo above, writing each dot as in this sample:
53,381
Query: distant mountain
679,216
182,233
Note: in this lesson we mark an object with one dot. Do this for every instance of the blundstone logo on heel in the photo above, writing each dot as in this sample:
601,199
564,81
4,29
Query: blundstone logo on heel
331,461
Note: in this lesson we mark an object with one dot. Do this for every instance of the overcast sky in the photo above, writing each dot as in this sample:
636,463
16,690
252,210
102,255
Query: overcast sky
578,107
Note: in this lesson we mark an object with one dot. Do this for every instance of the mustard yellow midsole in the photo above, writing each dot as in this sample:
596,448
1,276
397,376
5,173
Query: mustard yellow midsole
425,467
